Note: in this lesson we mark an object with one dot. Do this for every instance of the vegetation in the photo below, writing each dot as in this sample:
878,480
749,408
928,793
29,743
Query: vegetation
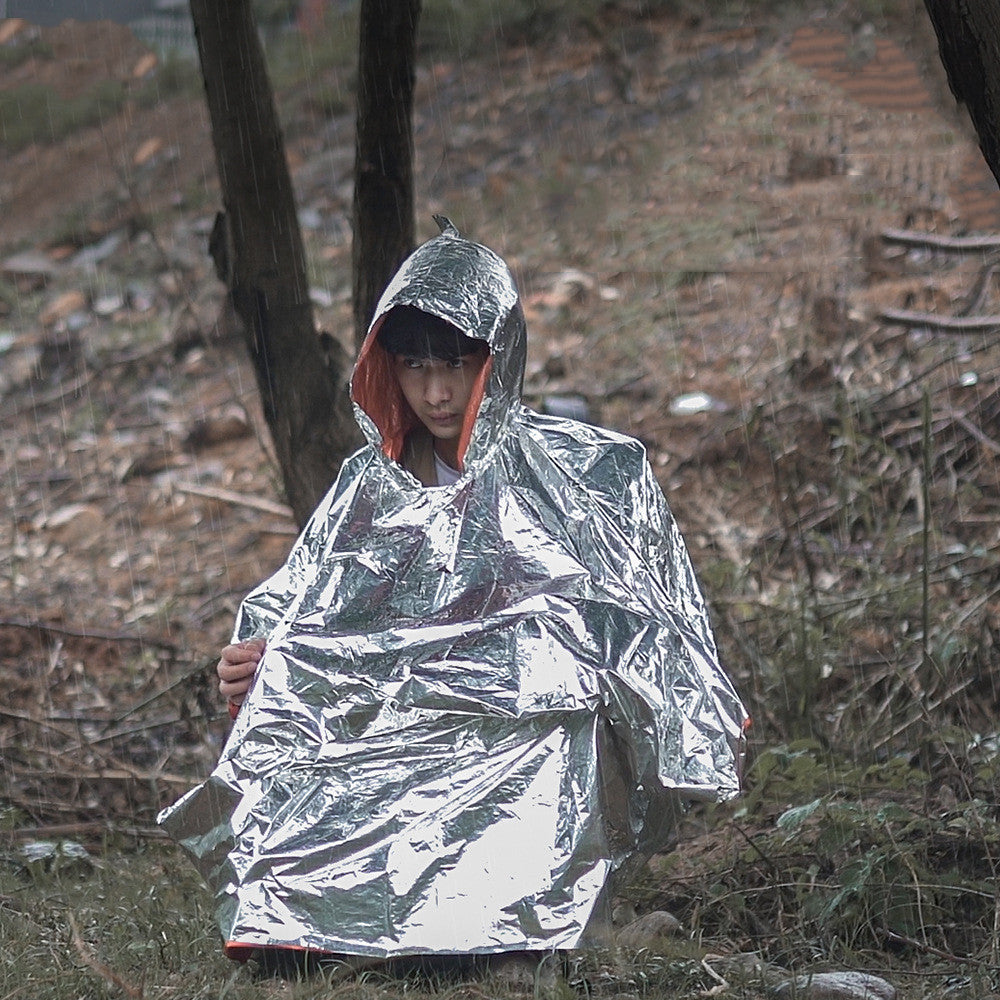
863,618
36,113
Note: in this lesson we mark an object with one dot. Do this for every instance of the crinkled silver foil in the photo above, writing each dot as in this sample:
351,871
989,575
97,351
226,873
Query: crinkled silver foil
477,702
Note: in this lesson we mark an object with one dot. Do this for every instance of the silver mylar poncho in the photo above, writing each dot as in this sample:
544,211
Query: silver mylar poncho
477,701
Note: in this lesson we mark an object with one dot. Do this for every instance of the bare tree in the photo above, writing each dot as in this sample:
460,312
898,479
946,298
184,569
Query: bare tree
257,246
383,164
967,32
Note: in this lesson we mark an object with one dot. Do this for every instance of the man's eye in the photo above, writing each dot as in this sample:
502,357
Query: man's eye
456,363
412,363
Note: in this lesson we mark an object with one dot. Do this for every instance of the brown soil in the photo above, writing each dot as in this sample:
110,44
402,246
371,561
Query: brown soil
687,209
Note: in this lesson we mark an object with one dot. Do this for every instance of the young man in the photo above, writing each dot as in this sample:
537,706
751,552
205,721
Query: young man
483,681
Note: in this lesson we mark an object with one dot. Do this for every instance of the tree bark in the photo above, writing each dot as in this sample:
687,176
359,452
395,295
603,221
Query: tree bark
259,254
383,166
967,32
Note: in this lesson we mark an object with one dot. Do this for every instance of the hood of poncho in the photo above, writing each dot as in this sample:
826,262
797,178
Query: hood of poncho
468,285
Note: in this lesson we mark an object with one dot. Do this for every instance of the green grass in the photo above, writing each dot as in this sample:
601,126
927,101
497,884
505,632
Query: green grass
36,113
137,918
17,53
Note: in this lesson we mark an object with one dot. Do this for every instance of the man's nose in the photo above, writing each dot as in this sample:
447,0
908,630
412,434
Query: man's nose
437,389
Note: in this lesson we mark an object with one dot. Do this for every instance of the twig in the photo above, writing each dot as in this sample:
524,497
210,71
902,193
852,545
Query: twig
55,395
56,830
228,496
200,668
950,244
722,986
942,324
931,950
987,442
87,633
92,962
925,533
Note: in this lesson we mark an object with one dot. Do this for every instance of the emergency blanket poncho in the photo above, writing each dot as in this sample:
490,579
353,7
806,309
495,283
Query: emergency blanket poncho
478,701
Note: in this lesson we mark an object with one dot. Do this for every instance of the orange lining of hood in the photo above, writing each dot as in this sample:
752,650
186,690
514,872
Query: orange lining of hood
376,390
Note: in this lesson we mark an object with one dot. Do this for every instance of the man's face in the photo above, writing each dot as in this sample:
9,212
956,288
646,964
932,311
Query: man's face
438,392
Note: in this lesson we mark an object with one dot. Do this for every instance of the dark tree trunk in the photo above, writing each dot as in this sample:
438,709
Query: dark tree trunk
968,33
383,165
259,254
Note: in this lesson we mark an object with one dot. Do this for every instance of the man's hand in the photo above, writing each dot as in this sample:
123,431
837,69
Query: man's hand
236,668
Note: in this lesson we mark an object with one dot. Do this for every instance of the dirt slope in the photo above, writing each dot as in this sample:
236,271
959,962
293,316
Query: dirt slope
689,210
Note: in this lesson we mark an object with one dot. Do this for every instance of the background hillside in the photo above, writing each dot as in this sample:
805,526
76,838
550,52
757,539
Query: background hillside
694,205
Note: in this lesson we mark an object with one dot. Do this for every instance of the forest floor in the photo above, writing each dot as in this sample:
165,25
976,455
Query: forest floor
695,212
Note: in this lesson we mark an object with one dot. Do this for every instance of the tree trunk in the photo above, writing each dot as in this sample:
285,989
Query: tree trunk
259,254
383,166
967,32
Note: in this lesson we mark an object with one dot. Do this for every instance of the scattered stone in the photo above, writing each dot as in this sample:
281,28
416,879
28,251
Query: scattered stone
140,297
696,402
62,306
108,305
836,986
97,253
28,271
648,930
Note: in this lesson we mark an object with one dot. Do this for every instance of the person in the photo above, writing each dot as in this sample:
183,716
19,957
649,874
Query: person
483,683
436,366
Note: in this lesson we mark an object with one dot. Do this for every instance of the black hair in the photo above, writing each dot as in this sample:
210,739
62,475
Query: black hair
414,333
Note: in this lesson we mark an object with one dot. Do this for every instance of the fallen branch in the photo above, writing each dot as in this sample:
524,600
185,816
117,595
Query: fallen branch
56,831
942,324
949,244
86,633
931,950
228,496
94,964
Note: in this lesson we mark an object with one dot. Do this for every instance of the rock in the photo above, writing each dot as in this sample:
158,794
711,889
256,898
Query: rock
696,402
108,305
648,930
28,271
836,986
97,253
